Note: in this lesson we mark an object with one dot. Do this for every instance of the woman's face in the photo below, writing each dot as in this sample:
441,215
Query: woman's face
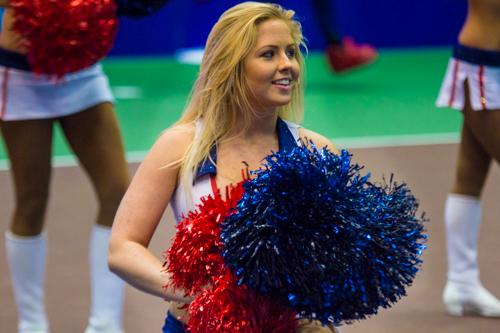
271,68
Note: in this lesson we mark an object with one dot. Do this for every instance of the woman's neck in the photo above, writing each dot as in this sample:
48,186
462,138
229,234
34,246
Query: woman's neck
259,126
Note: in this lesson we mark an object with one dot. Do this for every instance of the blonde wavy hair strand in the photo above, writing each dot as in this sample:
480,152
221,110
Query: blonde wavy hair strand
221,91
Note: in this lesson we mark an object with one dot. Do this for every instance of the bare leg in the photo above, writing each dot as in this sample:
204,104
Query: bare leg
472,165
485,126
29,147
95,138
480,143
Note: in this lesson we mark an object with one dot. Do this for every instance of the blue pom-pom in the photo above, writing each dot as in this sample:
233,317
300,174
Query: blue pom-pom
138,8
312,230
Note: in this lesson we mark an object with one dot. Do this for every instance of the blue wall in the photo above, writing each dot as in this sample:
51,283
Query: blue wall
385,23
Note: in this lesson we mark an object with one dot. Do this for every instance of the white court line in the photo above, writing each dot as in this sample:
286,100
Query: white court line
70,160
397,140
354,142
127,92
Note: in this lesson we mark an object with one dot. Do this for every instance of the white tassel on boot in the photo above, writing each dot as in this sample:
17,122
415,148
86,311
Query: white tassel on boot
107,289
26,257
464,293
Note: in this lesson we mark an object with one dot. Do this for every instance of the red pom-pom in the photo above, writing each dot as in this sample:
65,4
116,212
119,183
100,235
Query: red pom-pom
194,258
64,36
196,264
230,308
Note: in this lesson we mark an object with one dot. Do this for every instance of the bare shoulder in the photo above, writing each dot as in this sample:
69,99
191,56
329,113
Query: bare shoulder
172,144
154,182
319,140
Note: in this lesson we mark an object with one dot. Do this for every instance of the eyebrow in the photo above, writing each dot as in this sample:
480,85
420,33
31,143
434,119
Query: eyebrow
274,46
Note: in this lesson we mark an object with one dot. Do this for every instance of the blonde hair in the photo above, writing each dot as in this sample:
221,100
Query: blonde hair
221,92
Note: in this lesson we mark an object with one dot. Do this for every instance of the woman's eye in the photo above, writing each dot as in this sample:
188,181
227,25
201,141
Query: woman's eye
268,54
291,53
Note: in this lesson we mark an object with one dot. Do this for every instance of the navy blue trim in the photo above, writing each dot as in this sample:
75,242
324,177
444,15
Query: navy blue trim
207,167
477,56
14,60
173,325
286,141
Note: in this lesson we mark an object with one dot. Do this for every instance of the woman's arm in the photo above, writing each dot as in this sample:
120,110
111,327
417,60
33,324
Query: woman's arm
140,212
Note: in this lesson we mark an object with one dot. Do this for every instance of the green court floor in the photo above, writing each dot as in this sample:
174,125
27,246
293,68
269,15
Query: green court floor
392,99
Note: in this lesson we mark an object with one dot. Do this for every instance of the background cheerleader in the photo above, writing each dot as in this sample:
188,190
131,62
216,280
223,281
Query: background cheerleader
31,105
472,85
343,53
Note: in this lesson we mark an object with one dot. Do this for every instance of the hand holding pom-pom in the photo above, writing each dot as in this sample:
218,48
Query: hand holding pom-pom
230,308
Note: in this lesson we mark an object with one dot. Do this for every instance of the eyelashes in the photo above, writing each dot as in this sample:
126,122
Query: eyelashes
271,53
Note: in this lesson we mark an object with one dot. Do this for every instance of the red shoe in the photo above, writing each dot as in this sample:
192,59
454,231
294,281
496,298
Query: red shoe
350,55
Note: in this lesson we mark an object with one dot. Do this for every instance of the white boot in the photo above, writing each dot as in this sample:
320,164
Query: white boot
107,289
26,257
464,293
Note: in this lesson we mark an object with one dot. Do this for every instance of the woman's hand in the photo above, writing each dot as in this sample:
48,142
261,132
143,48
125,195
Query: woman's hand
314,326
